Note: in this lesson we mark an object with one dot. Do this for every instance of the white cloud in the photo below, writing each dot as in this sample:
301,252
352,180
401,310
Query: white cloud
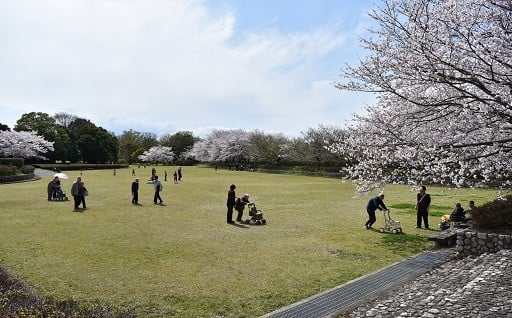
162,66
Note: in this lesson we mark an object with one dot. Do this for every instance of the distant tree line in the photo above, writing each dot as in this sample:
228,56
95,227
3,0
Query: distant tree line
77,139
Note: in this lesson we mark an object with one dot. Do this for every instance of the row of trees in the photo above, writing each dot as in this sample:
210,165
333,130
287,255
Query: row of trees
240,146
76,139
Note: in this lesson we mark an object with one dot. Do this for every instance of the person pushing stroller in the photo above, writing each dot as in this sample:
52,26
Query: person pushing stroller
240,204
373,205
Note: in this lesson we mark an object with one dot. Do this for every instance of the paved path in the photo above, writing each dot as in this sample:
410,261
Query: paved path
349,296
43,172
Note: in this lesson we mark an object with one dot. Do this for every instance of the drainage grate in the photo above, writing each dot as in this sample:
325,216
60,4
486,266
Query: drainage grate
351,294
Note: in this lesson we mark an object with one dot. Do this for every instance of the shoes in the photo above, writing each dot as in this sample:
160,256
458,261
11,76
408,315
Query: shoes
418,227
231,222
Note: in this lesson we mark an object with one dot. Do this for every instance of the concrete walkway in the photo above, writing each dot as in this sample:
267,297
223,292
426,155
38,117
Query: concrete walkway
354,293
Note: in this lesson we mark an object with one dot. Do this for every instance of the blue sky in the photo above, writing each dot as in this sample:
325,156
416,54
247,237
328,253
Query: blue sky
164,66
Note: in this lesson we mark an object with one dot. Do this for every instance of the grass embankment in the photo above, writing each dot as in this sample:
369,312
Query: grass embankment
183,260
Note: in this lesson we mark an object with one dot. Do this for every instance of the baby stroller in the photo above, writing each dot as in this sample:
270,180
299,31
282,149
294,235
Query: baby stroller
445,222
255,214
390,225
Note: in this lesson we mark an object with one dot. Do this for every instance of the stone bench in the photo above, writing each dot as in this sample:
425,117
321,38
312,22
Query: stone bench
444,238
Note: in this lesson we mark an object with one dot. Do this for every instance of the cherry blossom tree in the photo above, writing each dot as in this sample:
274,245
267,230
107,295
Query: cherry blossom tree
266,147
158,154
23,144
442,71
221,145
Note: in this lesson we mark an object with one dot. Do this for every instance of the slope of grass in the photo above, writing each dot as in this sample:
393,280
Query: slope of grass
183,260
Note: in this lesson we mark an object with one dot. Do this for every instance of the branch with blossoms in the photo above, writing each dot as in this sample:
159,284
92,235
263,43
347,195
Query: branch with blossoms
444,113
23,144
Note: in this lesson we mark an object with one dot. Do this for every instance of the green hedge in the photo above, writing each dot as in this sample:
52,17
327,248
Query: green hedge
27,169
78,166
16,162
8,170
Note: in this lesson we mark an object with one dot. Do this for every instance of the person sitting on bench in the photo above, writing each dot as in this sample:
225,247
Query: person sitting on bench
458,215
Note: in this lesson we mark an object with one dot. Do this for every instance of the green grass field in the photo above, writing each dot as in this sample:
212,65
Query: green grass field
183,260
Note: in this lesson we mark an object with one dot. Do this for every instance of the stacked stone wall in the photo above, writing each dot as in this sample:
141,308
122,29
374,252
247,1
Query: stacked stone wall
476,243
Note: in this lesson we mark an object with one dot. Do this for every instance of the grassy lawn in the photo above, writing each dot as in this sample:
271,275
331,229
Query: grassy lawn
183,260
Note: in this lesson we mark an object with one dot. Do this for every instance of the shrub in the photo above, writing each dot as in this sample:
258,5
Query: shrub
27,169
17,162
7,170
494,216
17,299
78,166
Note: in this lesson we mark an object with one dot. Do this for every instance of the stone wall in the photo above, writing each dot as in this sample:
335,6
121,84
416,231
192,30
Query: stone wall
475,243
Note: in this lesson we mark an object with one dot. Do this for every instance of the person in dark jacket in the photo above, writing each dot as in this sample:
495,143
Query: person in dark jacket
422,206
240,206
77,190
135,191
458,214
373,205
231,203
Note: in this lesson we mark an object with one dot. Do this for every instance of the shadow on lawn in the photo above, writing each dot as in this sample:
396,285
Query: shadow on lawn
243,226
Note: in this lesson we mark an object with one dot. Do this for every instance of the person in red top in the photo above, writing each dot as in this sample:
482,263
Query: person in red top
422,206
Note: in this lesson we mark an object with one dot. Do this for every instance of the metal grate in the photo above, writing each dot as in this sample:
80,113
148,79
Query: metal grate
350,295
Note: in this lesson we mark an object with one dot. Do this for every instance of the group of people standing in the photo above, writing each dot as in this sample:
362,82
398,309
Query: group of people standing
79,191
157,199
235,203
423,201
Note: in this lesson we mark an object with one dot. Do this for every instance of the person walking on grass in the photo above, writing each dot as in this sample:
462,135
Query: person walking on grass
77,191
158,189
135,191
85,193
422,206
373,205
